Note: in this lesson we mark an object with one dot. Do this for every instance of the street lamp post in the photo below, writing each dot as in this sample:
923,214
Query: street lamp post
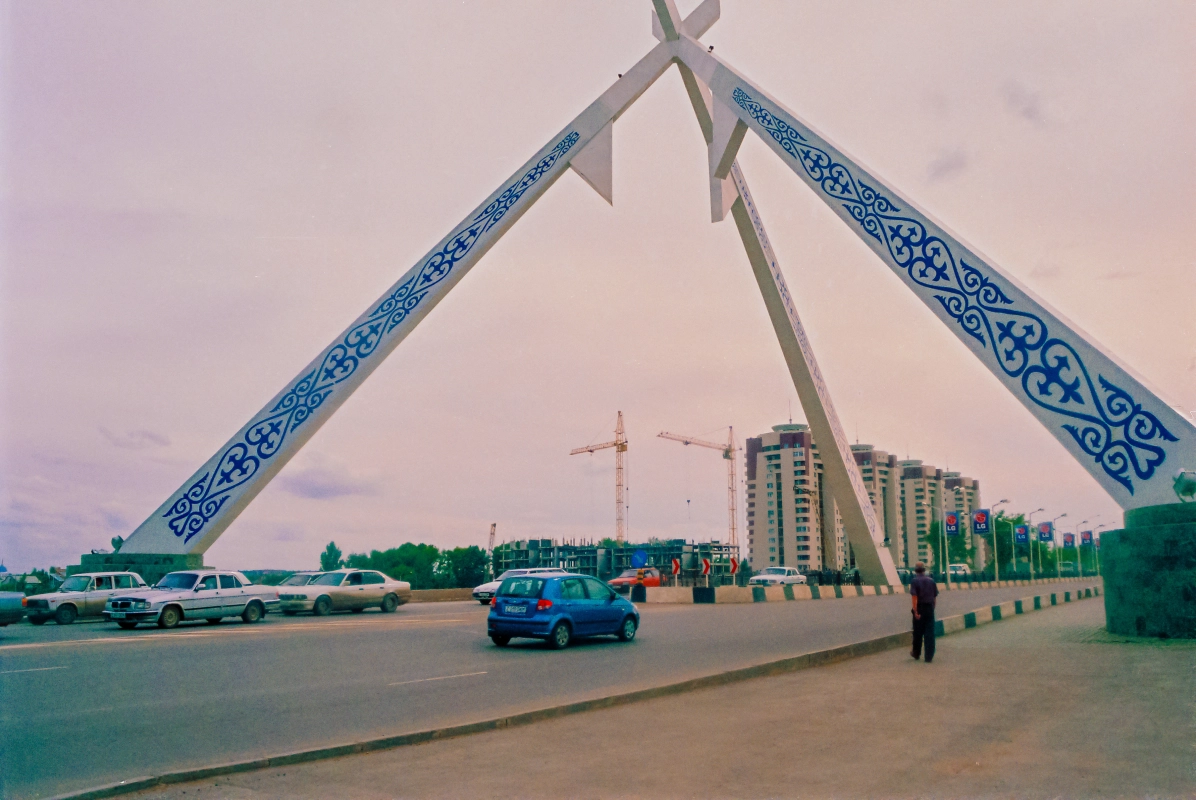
1030,544
996,557
1095,549
942,537
1057,559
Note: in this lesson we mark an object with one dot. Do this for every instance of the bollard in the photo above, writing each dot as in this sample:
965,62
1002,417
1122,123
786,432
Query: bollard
639,593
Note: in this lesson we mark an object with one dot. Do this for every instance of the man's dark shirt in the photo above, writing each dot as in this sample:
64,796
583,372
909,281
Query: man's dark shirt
924,589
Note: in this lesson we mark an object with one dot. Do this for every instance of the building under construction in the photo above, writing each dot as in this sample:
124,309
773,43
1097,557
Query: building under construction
605,562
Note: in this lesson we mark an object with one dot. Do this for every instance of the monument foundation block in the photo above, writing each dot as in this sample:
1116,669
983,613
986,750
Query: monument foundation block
1149,568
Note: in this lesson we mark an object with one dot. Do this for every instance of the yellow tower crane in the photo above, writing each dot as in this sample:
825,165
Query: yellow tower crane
728,451
620,445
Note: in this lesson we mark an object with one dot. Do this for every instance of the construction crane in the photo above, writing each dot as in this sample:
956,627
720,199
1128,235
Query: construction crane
620,445
728,451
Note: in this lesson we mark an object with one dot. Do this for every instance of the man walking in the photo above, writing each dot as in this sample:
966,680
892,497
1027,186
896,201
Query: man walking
922,592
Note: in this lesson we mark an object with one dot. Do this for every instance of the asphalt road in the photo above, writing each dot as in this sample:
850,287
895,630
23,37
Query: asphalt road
91,704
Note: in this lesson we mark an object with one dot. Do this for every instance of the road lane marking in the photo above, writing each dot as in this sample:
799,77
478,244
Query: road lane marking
34,669
205,633
441,678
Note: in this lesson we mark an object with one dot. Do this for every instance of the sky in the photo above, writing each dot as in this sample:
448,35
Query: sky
196,197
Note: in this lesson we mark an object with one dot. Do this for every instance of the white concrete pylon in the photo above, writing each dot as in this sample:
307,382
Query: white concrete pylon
195,515
841,473
1119,429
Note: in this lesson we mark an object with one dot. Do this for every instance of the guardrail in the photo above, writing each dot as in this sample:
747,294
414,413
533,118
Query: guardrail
788,592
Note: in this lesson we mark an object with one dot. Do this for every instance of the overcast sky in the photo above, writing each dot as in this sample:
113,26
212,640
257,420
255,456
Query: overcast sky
198,196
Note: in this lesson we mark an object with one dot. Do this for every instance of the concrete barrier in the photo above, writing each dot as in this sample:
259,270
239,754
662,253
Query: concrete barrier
440,595
670,594
788,592
733,594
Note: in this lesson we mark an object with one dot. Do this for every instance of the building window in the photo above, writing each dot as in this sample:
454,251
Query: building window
803,558
772,558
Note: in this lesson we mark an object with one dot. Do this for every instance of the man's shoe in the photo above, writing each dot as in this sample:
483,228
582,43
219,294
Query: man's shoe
913,655
929,660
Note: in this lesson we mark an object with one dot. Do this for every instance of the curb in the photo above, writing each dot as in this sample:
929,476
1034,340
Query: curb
788,592
818,658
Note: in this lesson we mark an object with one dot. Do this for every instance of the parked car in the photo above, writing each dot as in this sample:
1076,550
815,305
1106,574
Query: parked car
906,575
960,571
82,595
558,608
485,593
12,607
345,590
628,577
776,576
201,594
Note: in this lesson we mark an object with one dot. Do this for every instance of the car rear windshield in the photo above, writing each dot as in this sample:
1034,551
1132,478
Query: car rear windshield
521,587
773,571
178,580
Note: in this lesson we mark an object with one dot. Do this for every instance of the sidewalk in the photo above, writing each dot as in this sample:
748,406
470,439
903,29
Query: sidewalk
1042,705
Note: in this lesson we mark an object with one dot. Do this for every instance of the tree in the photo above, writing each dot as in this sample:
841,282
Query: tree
414,563
462,567
330,559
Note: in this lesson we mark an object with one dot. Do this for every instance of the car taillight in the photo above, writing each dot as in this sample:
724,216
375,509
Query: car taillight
543,605
24,602
494,600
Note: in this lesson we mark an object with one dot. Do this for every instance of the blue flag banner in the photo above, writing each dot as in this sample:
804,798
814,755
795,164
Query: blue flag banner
1046,531
1085,537
1069,540
1021,534
980,520
951,523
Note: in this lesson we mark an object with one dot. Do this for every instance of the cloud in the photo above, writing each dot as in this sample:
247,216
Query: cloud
1047,271
136,440
946,164
1023,102
324,479
1119,275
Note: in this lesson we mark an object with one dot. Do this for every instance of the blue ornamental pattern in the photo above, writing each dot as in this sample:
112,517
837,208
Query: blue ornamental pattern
1104,420
196,506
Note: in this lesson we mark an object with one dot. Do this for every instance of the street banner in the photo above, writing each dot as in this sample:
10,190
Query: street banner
1046,531
980,520
1021,534
1069,540
951,523
1085,537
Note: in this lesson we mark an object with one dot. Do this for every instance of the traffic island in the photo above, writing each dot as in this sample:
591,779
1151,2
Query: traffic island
1149,567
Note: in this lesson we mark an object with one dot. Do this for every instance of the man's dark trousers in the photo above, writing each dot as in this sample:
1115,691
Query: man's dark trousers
924,629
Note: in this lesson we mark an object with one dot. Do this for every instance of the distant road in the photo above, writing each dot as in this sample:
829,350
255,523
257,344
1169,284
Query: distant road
91,704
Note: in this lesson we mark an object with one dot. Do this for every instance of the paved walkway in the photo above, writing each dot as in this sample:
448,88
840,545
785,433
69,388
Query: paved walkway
1043,705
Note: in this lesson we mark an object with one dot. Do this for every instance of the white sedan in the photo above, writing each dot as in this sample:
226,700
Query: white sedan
345,589
485,593
774,576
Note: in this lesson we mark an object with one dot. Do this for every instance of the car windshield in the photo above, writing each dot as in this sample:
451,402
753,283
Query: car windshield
774,571
330,579
178,580
521,587
629,573
512,573
75,583
297,580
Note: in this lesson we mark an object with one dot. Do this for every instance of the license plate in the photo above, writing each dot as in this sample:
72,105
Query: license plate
117,614
515,609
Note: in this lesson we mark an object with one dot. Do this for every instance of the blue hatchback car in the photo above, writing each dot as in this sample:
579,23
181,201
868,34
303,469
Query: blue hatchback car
558,608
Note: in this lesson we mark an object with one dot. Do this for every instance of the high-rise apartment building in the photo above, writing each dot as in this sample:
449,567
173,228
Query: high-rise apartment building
792,520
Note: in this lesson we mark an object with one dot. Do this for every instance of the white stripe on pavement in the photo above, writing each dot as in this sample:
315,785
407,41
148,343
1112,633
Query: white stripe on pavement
441,678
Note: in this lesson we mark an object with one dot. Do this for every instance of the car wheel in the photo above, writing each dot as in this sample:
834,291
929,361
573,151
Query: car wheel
169,617
501,641
560,636
323,606
126,625
251,614
389,604
65,615
37,620
627,630
215,621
